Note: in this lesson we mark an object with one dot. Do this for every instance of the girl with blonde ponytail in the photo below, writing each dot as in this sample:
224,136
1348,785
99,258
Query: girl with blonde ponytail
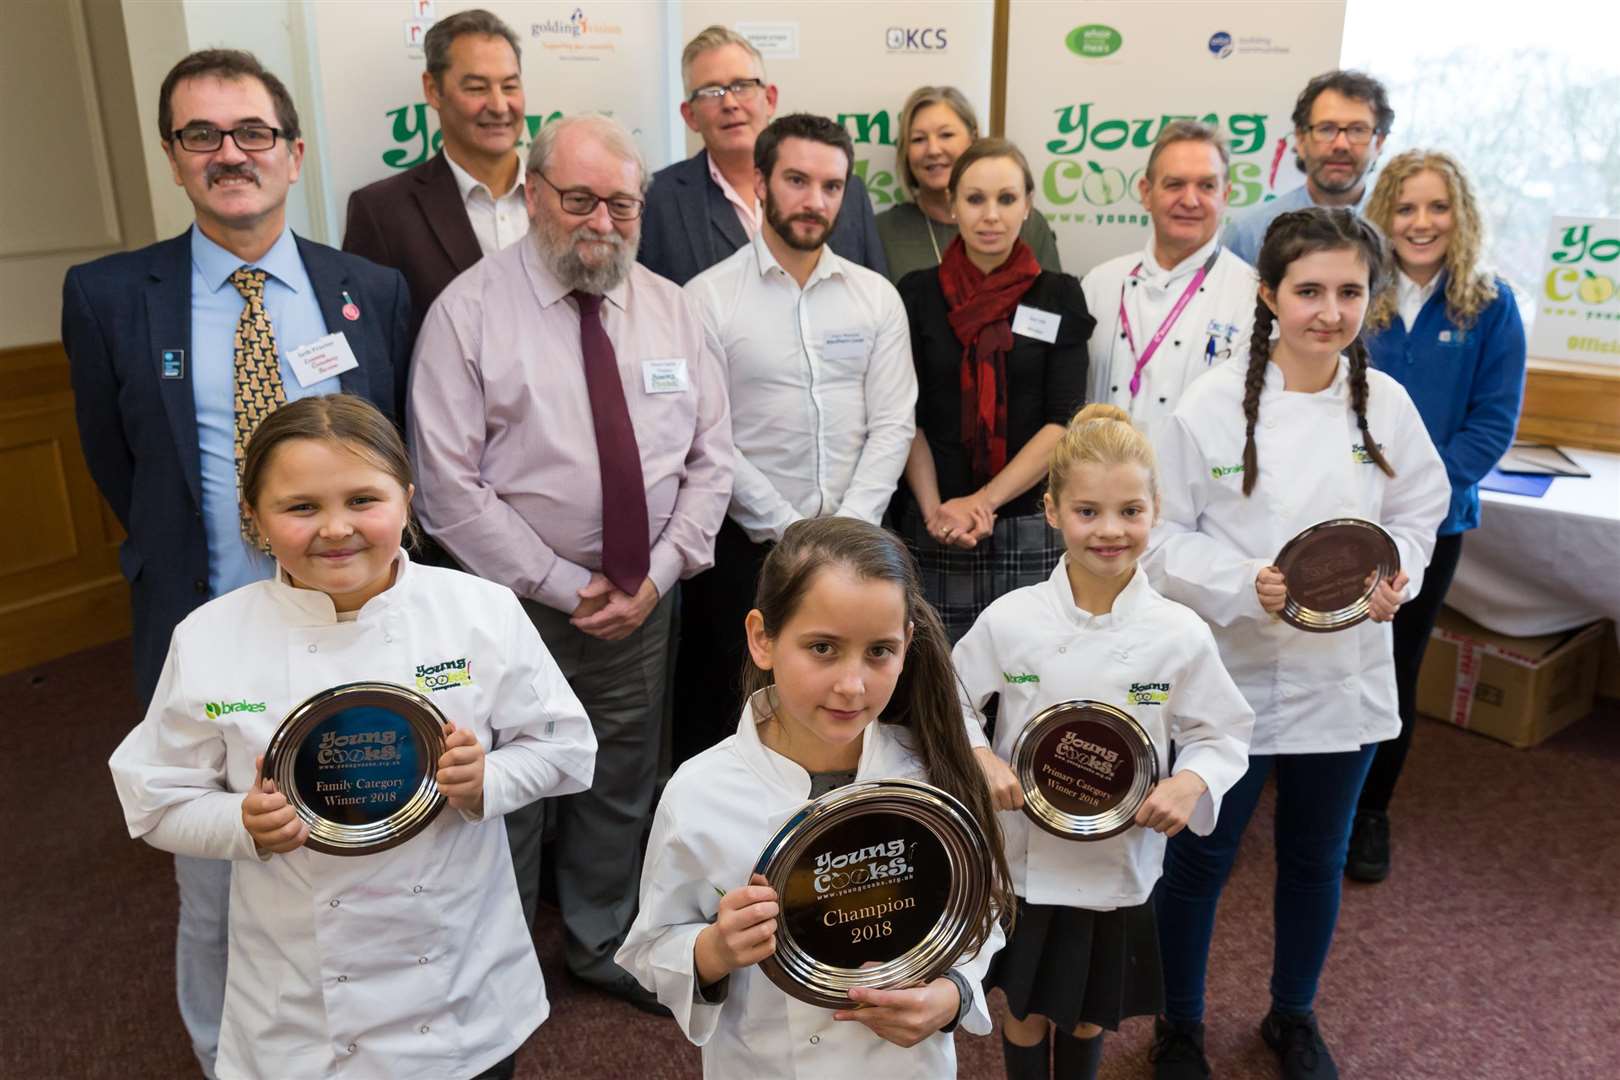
1253,455
1084,953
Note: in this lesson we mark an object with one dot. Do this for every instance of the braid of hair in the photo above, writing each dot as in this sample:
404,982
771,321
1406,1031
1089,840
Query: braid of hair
1358,402
1253,382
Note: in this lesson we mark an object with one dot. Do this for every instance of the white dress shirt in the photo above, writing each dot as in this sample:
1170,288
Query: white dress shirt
1215,326
497,222
717,813
1311,693
1410,296
823,392
410,963
1150,657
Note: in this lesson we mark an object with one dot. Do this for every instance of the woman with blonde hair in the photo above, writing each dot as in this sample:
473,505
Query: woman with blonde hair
937,123
1449,332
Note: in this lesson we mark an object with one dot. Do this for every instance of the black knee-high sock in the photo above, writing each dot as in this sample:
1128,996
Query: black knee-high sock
1076,1059
1027,1062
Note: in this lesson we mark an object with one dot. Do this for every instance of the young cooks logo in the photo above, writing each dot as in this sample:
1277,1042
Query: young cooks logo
1584,271
445,675
414,143
217,709
1093,41
357,748
1149,693
877,864
1098,760
1360,455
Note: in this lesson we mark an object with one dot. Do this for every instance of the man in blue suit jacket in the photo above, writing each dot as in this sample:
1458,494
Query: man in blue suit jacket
150,337
701,210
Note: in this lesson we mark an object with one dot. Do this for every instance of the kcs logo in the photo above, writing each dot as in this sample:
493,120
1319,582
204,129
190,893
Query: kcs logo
914,39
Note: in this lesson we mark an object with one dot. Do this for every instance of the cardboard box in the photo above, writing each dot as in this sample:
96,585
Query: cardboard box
1518,690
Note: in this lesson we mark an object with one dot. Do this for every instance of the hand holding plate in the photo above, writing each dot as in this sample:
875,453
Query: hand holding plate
1170,804
461,771
1272,590
743,931
268,818
904,1017
1387,598
1006,793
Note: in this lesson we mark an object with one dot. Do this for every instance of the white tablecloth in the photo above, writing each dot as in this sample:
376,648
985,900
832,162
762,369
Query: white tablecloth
1542,566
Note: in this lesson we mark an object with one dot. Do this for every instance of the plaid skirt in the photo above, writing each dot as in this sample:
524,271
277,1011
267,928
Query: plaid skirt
960,583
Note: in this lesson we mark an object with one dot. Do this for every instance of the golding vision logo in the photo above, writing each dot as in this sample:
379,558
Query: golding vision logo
1093,41
217,709
1220,45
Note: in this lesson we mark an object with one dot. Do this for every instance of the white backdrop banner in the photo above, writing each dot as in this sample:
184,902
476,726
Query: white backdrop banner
857,63
591,57
1089,85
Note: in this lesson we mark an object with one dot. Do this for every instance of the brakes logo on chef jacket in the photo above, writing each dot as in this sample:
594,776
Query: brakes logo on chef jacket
445,675
217,709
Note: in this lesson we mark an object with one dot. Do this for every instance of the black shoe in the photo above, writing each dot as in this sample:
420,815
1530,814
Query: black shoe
1368,859
1178,1051
625,987
1299,1046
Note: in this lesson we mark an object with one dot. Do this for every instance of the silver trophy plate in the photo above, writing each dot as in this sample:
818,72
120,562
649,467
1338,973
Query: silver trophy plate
357,764
882,884
1331,570
1086,768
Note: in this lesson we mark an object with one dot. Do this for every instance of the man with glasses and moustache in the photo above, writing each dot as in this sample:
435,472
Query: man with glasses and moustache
571,440
177,351
702,209
1340,122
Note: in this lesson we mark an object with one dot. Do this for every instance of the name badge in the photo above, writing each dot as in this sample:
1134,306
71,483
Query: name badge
174,363
844,345
1035,323
664,376
321,359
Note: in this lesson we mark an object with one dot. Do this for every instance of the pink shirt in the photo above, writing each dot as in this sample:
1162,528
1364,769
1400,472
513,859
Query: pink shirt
502,441
747,215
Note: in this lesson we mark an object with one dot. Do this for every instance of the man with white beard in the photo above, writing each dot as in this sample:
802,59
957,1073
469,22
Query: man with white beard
571,439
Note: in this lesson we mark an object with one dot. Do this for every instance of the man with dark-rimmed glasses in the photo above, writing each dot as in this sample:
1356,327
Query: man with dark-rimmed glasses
177,351
702,209
571,440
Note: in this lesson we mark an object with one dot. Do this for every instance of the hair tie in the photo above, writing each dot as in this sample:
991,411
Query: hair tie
1361,421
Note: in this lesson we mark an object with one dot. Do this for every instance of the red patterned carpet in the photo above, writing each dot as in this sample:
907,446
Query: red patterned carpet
1493,952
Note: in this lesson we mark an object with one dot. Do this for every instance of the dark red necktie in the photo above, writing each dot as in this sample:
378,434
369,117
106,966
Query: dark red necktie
624,493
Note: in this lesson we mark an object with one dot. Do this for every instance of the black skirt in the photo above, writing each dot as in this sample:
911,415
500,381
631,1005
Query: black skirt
1076,966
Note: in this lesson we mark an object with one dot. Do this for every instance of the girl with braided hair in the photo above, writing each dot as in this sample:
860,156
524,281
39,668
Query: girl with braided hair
1255,453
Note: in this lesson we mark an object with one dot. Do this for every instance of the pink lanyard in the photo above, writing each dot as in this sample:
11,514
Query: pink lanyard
1169,321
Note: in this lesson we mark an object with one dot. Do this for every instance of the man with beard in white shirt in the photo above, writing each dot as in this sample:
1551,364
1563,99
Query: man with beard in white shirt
1170,312
817,356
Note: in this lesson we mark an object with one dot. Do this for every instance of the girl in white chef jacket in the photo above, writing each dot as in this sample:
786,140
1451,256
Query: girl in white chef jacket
413,962
1084,954
850,679
1256,453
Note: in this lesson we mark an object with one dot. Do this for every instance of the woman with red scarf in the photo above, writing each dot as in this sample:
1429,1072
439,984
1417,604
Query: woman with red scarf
1000,350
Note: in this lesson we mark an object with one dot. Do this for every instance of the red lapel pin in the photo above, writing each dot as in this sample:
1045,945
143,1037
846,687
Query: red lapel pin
350,310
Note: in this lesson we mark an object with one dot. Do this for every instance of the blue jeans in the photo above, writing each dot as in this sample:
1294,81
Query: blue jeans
1316,800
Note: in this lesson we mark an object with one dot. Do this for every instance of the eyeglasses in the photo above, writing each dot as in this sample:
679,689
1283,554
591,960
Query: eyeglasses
247,137
1356,134
582,203
742,90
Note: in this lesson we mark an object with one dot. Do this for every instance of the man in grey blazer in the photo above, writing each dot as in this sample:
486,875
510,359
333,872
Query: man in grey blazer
702,209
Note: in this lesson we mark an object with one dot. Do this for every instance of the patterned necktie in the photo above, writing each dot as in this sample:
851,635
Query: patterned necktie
624,493
258,371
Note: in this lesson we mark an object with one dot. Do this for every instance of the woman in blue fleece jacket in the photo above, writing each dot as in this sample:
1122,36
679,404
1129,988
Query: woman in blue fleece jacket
1450,333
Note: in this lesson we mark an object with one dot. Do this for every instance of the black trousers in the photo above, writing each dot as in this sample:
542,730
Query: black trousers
1413,624
709,661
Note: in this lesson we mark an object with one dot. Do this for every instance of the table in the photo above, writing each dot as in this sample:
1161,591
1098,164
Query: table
1543,566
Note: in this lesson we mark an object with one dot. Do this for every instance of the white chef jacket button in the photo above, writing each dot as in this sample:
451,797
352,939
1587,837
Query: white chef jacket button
351,1048
1350,684
334,903
388,638
312,647
1271,422
343,978
423,1029
416,888
1063,648
421,959
815,1040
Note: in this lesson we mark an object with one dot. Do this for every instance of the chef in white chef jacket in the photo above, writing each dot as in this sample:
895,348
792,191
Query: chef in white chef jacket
717,814
1182,305
1311,693
1148,657
413,962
